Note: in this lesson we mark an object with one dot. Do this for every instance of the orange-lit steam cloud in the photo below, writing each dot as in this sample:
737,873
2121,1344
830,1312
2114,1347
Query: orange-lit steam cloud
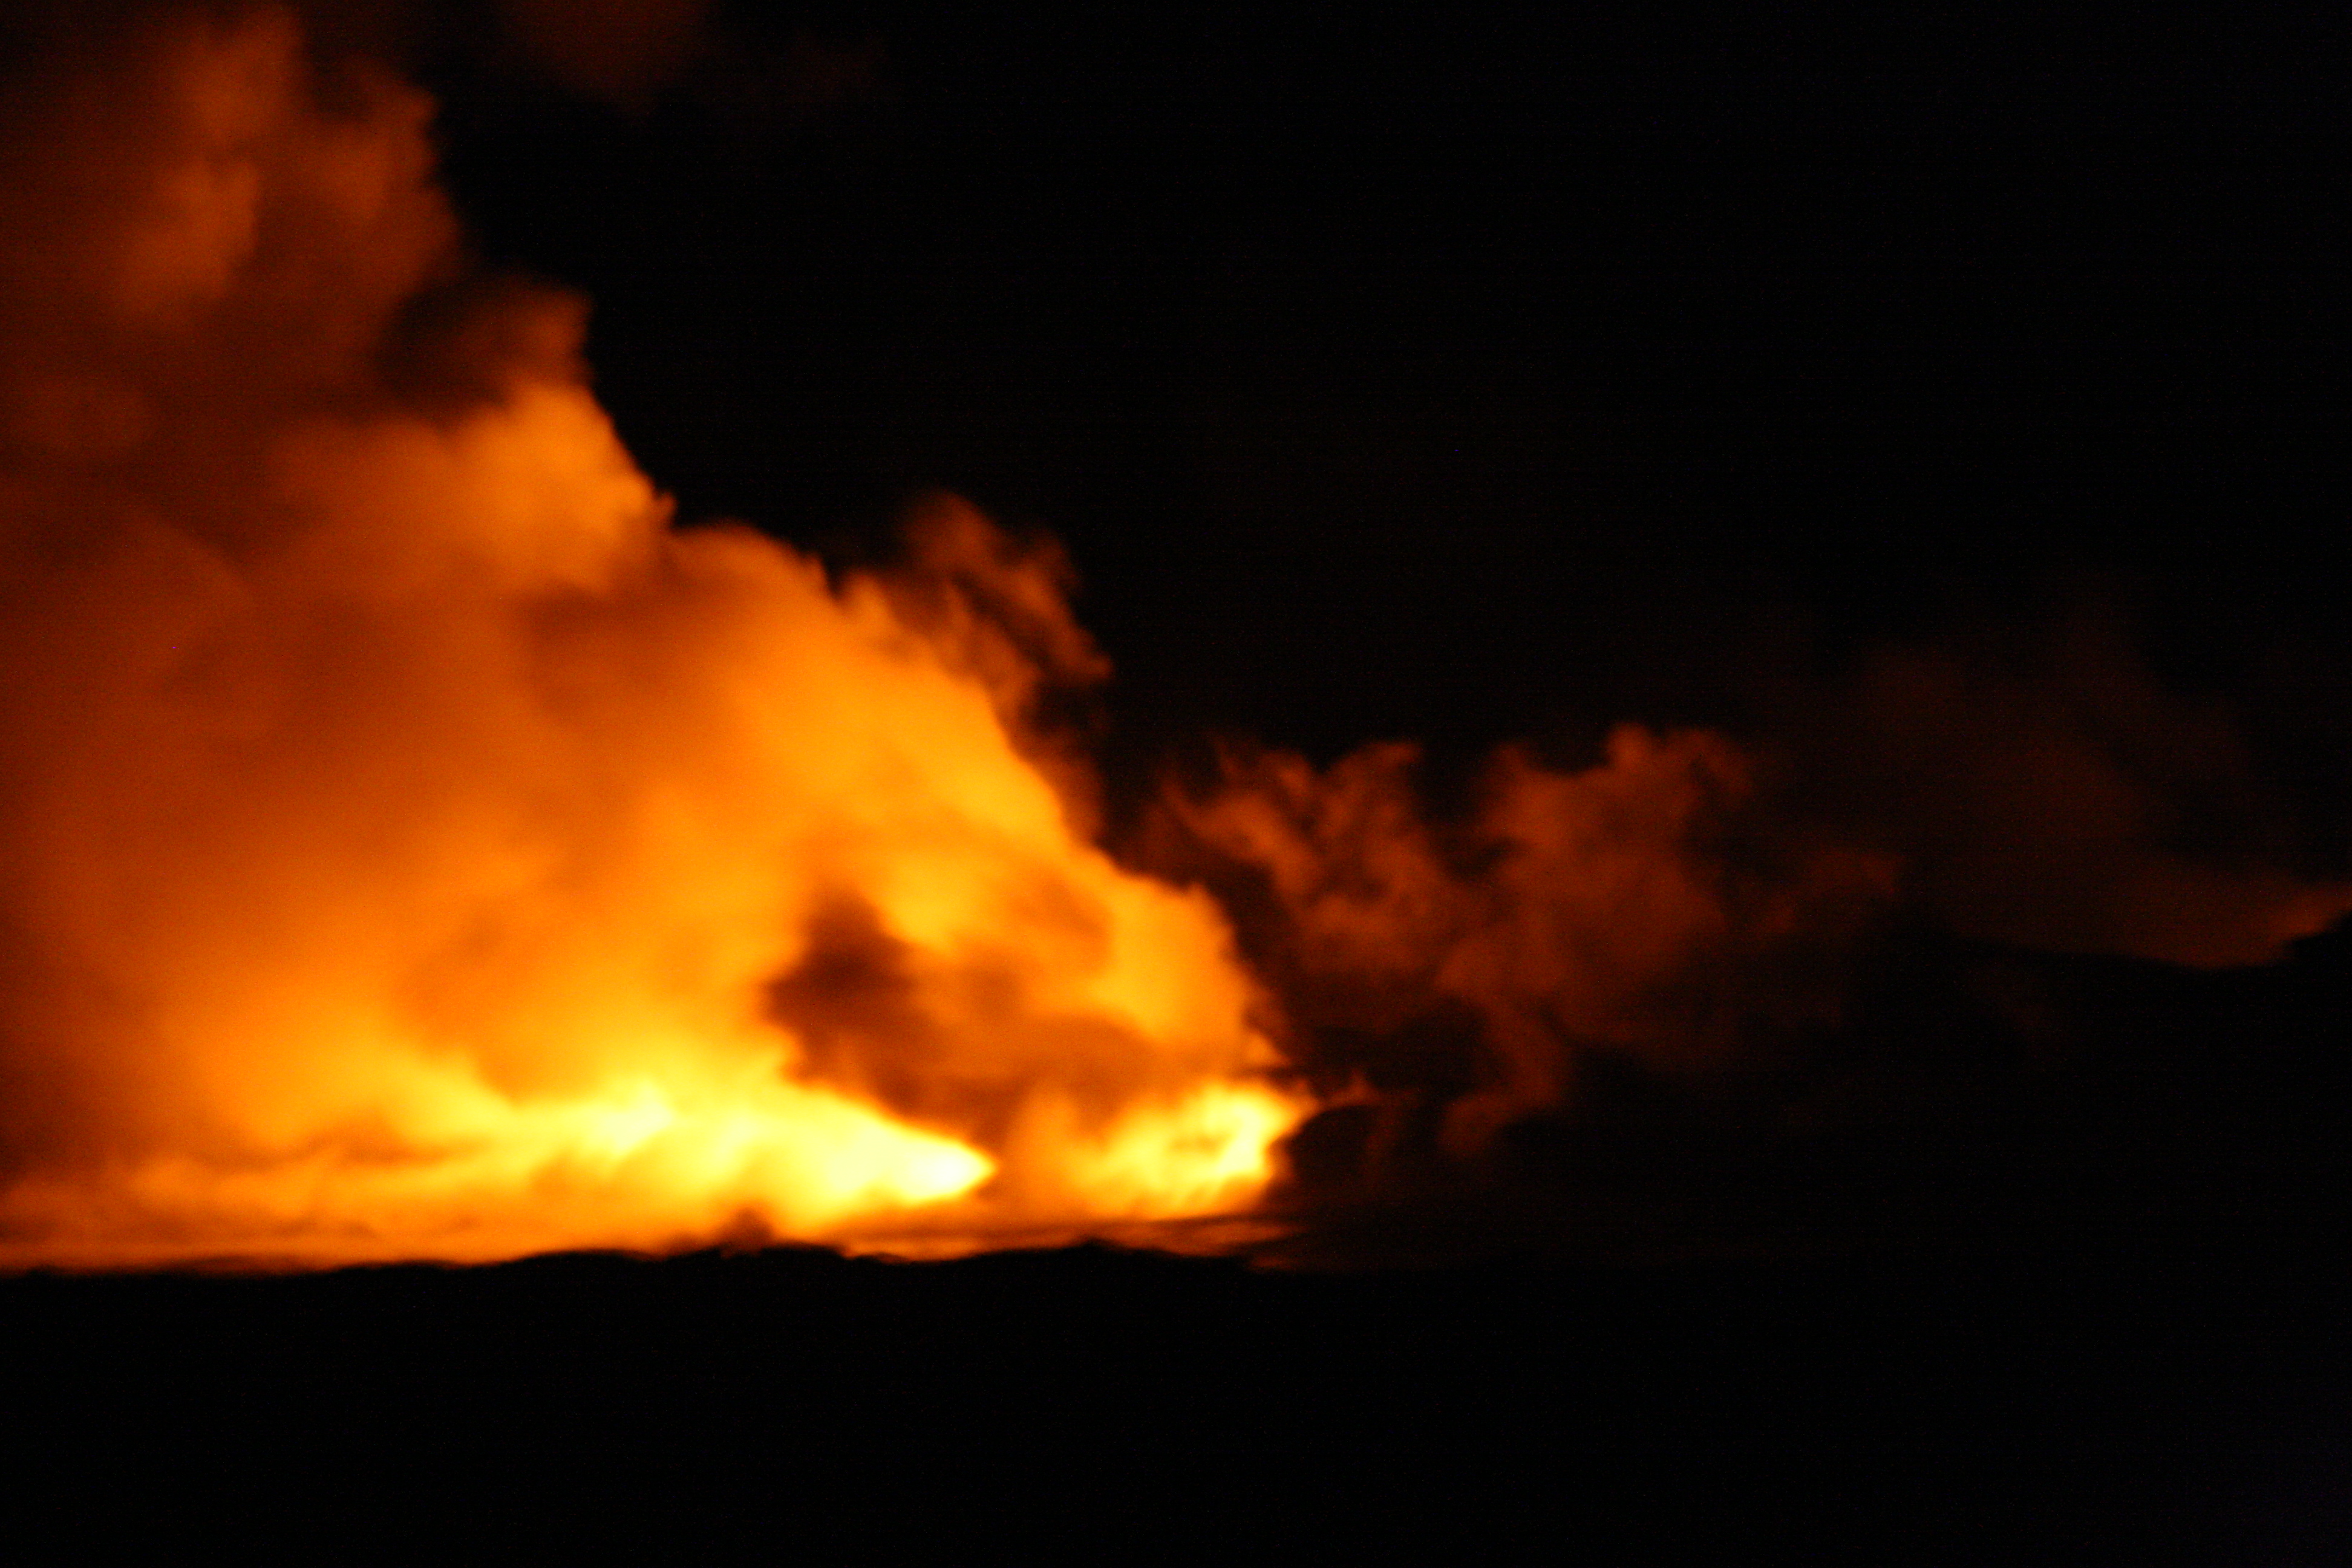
2055,796
617,49
1644,907
410,846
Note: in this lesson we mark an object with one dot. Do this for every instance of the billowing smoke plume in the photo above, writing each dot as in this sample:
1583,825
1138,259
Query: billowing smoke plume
411,844
1694,907
2044,788
623,50
1647,907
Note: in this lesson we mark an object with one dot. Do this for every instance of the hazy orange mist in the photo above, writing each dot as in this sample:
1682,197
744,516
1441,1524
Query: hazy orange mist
1641,906
414,847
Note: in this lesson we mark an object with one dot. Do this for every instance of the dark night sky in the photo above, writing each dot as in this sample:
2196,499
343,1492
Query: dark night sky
1474,378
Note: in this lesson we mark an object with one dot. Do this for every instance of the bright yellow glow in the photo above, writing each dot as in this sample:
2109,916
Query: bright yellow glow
421,849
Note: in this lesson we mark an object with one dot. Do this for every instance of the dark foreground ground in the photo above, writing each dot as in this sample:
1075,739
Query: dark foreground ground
790,1406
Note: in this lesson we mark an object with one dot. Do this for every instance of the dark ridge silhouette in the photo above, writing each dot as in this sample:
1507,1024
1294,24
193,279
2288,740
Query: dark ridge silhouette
790,1404
1976,1101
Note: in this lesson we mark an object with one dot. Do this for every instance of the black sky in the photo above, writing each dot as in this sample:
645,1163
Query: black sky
1465,378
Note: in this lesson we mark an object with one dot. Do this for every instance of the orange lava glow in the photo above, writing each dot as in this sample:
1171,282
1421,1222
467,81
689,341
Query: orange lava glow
412,846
